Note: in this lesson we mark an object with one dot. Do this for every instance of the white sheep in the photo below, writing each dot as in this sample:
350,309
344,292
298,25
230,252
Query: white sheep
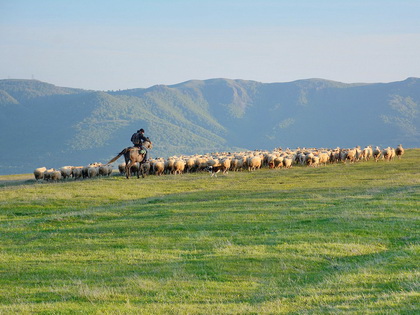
190,164
92,171
121,168
287,162
39,173
253,163
77,172
52,174
66,171
377,154
225,165
367,153
158,167
105,170
145,168
178,167
324,157
399,151
388,154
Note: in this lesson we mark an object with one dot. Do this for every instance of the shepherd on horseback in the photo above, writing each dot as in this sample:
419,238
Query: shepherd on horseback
138,138
135,154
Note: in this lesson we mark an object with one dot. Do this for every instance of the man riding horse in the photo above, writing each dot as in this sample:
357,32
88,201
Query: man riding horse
136,154
138,138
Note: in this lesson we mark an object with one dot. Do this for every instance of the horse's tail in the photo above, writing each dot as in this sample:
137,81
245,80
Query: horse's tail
116,158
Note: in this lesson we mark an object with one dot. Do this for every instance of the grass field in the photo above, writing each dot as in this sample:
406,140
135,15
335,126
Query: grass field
339,238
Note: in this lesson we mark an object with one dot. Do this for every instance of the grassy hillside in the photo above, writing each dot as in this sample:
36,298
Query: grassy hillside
339,238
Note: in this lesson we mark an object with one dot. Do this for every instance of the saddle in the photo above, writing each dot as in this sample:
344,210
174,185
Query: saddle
141,151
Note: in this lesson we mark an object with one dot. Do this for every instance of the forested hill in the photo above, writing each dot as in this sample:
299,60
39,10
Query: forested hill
45,125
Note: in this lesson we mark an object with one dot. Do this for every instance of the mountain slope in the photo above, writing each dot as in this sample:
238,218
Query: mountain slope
42,124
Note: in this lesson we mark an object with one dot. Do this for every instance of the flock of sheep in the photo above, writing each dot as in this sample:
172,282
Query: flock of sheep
76,172
224,162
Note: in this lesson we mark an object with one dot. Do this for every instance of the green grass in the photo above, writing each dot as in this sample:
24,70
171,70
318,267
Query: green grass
340,238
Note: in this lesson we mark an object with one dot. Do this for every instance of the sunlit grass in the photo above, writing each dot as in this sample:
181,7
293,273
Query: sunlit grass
340,238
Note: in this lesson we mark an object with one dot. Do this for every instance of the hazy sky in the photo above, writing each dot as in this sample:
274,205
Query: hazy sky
110,45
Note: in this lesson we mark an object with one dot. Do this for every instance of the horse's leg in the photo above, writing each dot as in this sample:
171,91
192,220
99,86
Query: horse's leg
139,159
142,173
127,169
127,162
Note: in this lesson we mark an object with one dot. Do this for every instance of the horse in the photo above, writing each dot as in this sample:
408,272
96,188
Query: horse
132,155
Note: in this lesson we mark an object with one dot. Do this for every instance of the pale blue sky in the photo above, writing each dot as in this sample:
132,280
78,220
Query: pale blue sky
110,45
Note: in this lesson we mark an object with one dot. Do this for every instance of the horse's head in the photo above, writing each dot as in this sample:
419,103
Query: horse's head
148,144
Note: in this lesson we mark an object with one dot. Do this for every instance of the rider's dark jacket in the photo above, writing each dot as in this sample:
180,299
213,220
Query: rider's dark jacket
137,139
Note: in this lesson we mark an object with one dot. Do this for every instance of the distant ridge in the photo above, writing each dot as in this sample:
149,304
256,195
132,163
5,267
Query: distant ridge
42,124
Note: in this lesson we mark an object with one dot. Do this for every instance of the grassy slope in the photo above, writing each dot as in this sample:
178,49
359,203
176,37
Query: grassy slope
305,240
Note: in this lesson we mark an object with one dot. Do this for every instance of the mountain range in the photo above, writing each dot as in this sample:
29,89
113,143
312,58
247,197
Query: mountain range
45,125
